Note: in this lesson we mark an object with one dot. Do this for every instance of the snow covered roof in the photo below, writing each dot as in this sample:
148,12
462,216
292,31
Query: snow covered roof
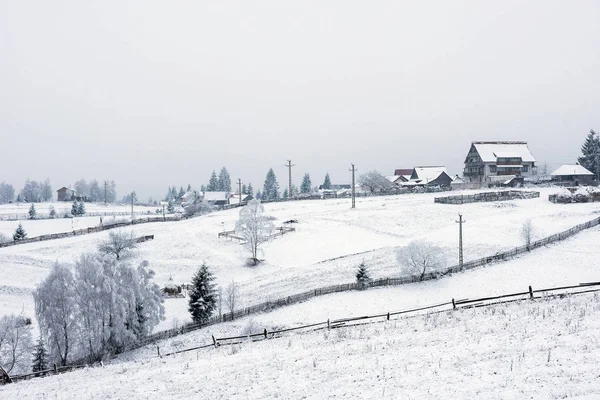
568,170
488,151
428,174
215,196
393,178
506,154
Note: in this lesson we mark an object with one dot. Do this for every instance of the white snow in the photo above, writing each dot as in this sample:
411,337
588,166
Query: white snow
568,170
488,150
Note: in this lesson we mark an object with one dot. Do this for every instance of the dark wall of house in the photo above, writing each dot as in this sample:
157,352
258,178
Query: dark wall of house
442,180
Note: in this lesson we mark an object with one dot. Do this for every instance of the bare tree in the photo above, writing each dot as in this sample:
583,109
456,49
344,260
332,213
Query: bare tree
4,238
232,297
420,257
527,233
15,344
254,227
119,244
374,181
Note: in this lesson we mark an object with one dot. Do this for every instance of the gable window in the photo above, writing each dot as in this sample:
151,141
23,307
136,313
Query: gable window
493,169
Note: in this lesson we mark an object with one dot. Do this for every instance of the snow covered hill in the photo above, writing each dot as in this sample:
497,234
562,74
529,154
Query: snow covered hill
330,241
539,349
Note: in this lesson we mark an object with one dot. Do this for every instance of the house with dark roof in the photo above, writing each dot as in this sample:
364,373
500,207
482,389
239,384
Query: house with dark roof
65,194
498,161
431,175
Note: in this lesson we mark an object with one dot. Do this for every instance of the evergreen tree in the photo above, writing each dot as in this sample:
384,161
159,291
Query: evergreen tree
250,190
213,183
224,181
244,189
591,153
19,234
327,182
168,196
189,188
80,209
170,208
306,185
259,195
203,296
52,212
203,188
271,187
181,193
285,193
173,193
75,208
362,276
40,357
32,211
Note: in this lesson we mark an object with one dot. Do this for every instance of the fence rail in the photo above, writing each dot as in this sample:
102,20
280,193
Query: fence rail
487,196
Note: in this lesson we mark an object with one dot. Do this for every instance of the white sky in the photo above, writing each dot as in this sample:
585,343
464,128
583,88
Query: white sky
153,93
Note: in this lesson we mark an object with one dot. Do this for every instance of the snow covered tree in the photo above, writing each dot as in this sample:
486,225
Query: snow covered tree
306,185
32,213
213,183
250,190
374,181
189,188
181,193
232,297
46,190
420,257
31,191
254,227
52,211
203,188
327,182
4,238
82,188
224,181
362,276
80,209
271,187
40,357
286,194
7,193
15,344
527,233
96,194
193,204
170,208
20,233
244,189
74,208
590,152
56,309
202,297
119,243
259,195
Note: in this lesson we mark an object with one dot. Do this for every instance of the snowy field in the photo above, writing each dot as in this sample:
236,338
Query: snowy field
321,252
21,210
543,349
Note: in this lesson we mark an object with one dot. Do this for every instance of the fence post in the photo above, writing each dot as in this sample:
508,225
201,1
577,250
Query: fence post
265,333
328,325
530,293
214,340
388,316
158,350
453,304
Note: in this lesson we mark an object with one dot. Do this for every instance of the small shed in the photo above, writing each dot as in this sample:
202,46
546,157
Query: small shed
573,174
65,194
216,198
431,176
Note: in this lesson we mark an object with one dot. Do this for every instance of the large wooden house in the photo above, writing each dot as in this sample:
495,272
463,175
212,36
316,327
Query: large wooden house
498,161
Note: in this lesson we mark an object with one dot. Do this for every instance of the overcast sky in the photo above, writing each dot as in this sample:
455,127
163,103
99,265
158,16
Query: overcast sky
156,93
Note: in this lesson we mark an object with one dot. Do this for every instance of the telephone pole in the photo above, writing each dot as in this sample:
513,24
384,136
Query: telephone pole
460,223
353,187
132,193
105,184
290,165
240,188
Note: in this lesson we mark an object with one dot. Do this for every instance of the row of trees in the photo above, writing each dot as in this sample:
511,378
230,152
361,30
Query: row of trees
222,183
96,191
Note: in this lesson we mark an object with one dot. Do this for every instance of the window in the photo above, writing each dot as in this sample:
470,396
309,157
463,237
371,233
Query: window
525,168
493,169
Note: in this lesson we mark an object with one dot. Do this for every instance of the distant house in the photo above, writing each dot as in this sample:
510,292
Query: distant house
65,194
396,179
431,176
235,198
336,187
405,173
216,198
498,161
573,173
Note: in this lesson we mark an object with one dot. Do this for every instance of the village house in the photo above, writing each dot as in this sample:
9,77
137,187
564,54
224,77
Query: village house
216,198
429,176
498,161
65,194
575,174
235,198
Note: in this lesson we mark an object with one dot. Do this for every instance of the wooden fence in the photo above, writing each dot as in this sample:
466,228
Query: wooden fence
60,214
352,321
89,230
487,196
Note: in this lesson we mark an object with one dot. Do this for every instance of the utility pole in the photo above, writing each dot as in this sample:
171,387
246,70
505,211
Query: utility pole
105,184
132,193
353,187
460,223
240,189
290,165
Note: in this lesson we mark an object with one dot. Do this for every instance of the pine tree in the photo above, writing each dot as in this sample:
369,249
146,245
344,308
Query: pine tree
40,357
32,211
52,212
285,193
362,276
189,188
244,189
306,185
203,188
259,195
213,183
75,209
170,208
19,234
80,209
181,193
224,181
327,182
271,186
590,153
203,297
250,190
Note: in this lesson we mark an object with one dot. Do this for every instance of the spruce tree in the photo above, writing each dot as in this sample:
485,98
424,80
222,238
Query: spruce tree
32,212
181,193
80,209
285,193
52,212
306,185
203,296
213,183
40,357
189,188
244,189
224,181
327,182
74,208
170,208
362,276
591,153
250,190
271,186
20,233
259,195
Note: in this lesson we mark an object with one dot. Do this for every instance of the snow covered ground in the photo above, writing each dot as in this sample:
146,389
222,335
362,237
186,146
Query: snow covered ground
21,210
330,241
543,349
